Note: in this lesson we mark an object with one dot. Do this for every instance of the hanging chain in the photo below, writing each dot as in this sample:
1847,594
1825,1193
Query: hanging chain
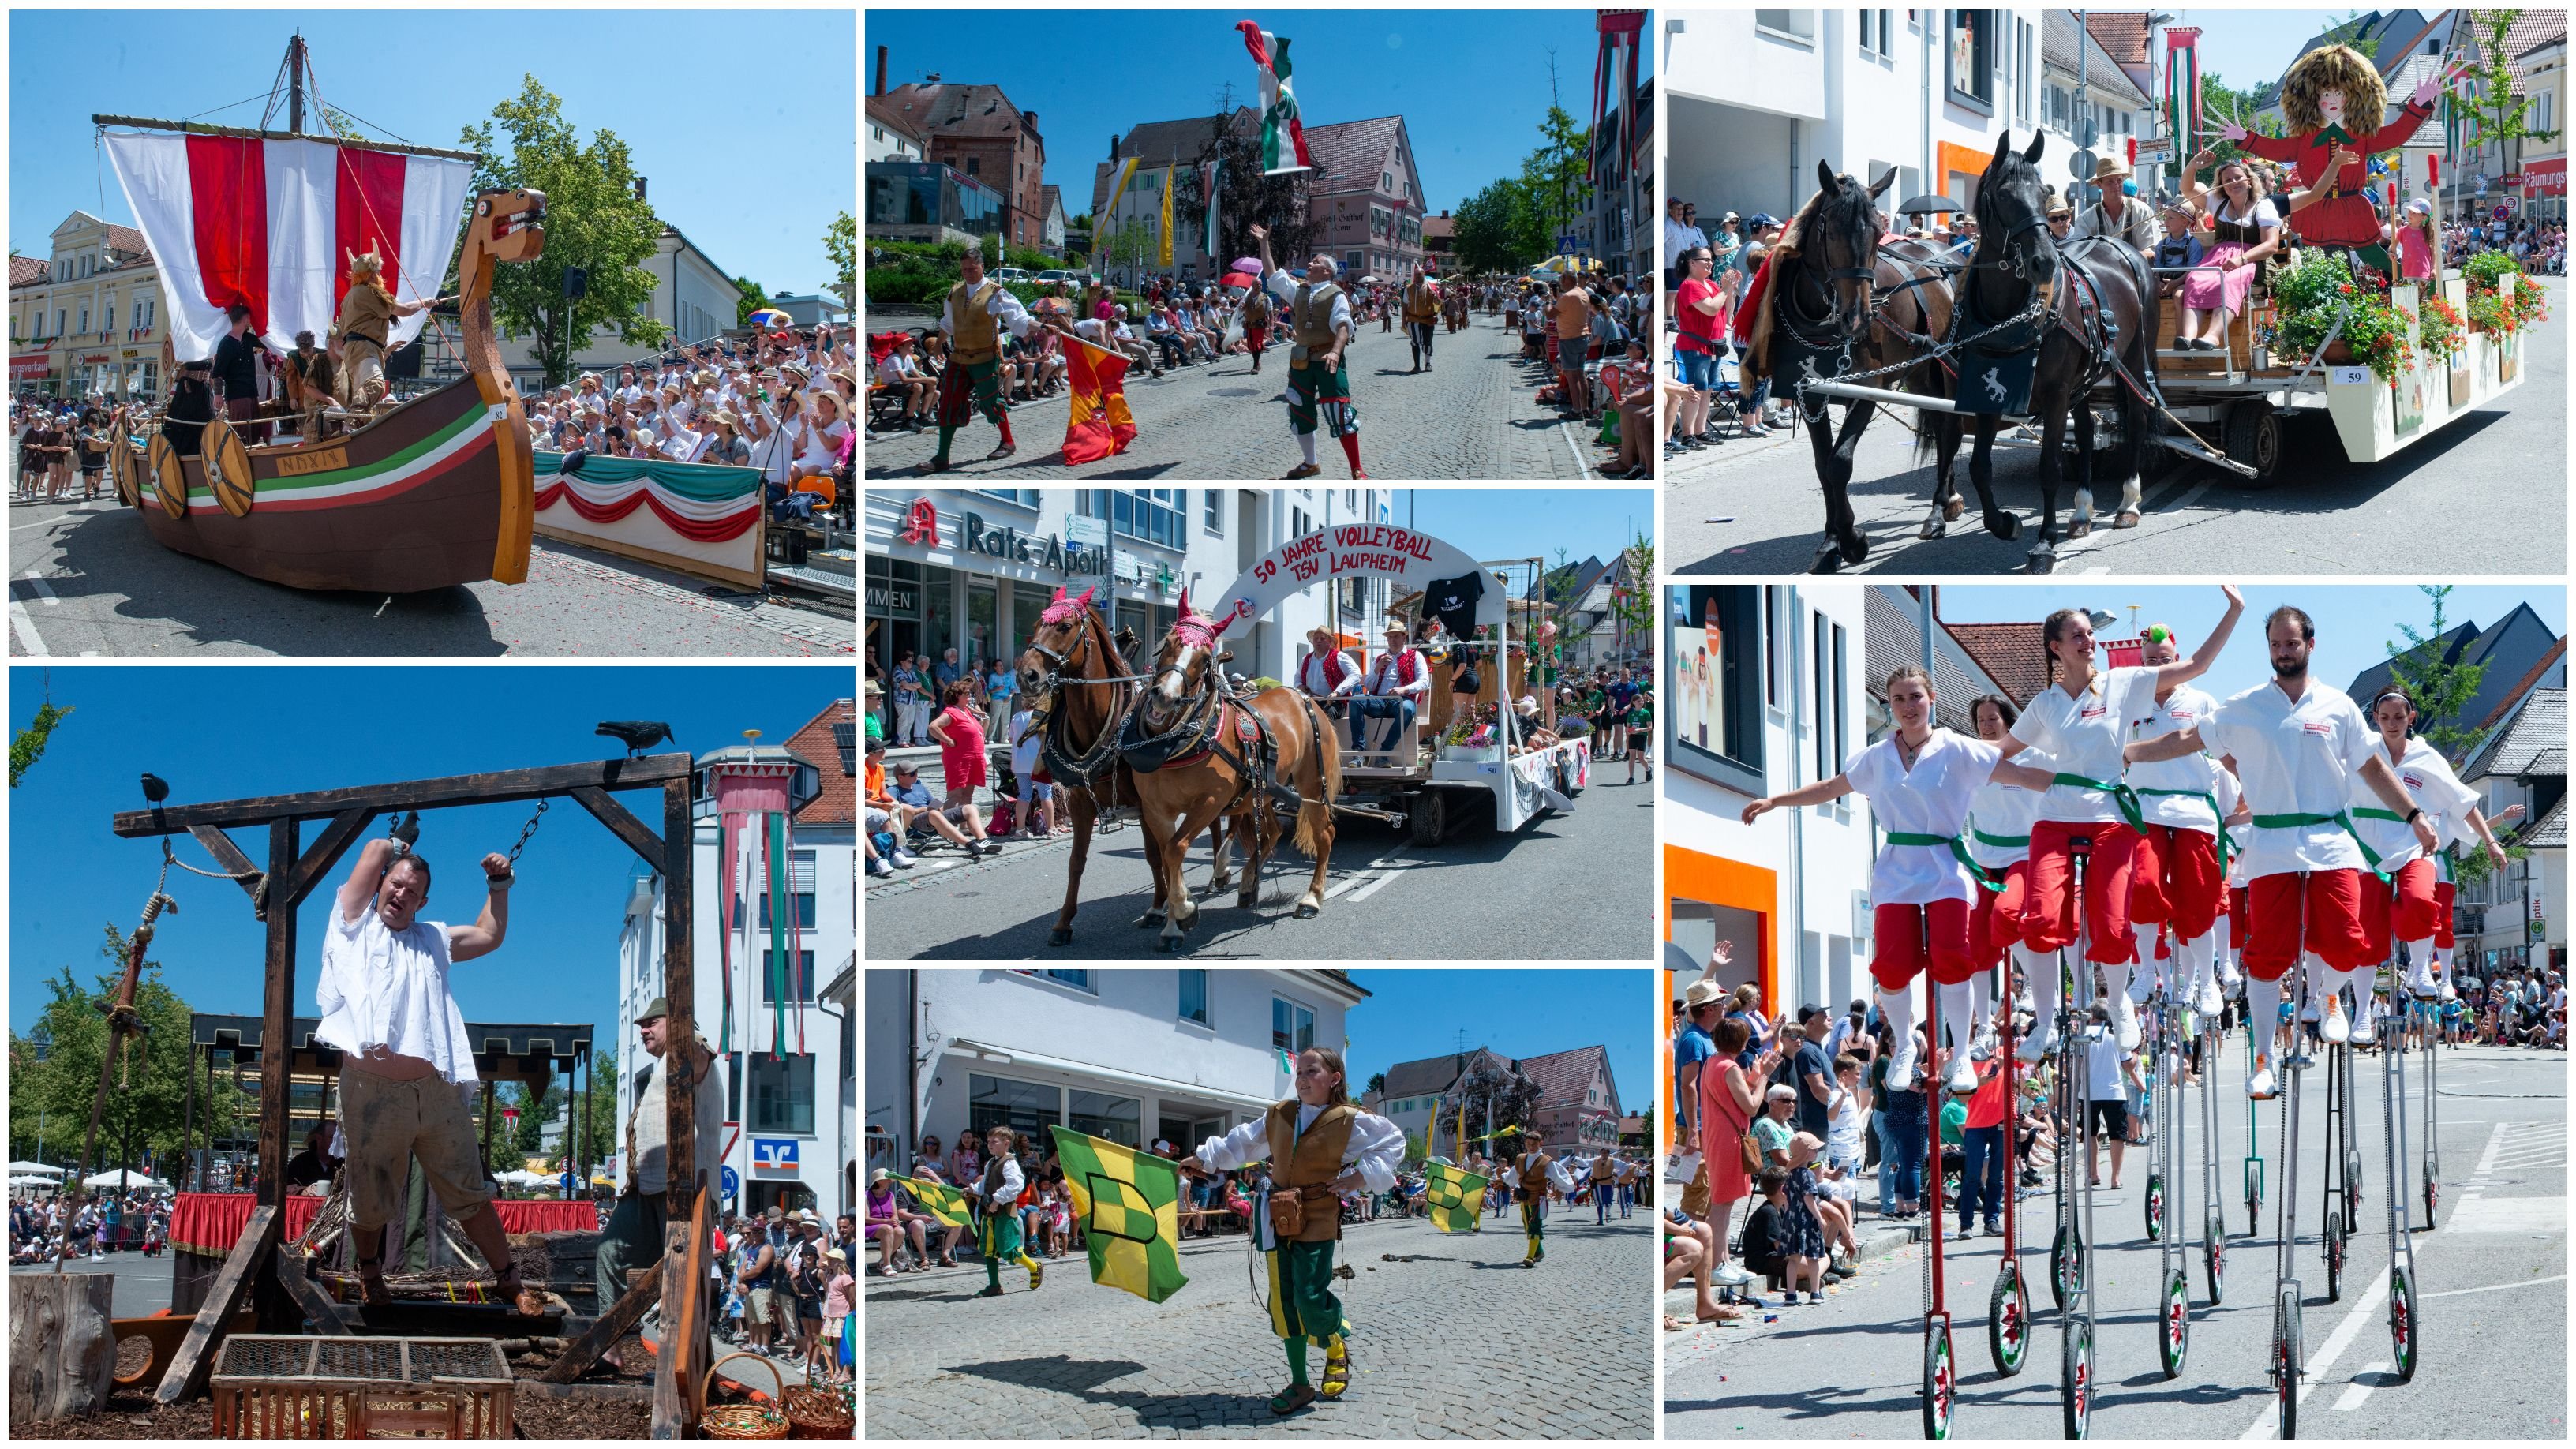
526,831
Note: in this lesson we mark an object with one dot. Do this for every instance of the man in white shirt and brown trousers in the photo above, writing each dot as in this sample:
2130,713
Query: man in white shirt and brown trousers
406,1067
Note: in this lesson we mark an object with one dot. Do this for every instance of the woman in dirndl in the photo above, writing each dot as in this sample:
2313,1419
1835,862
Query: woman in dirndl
2244,229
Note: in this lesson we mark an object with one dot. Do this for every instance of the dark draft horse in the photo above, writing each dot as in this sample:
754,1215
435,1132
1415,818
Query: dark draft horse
2094,297
1222,775
1841,300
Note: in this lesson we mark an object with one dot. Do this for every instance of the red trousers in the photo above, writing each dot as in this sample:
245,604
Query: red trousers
2406,903
2444,894
1909,938
2236,927
1995,922
2048,920
2333,927
2176,881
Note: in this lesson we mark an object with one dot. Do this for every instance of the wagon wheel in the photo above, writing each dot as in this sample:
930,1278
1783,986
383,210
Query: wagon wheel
169,478
125,468
227,461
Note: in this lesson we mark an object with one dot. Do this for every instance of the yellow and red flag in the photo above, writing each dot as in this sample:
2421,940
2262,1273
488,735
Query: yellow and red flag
1099,425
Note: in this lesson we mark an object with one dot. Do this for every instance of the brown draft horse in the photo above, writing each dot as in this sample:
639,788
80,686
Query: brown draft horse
1216,772
1079,685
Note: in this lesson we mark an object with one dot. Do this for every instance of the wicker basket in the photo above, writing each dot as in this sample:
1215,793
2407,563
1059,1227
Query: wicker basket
814,1413
743,1421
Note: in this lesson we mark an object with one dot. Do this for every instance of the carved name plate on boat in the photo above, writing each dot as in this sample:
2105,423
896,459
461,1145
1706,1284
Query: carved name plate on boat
290,465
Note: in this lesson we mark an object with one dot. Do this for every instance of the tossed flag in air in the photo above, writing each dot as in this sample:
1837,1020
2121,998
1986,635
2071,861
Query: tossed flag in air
937,1199
1163,248
1456,1198
1099,425
1283,136
1128,1202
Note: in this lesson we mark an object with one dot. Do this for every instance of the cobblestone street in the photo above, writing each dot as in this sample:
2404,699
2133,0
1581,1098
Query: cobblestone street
1457,1342
1475,415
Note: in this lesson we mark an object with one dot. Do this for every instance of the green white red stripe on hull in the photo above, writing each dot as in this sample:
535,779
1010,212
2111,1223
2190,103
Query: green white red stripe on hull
394,474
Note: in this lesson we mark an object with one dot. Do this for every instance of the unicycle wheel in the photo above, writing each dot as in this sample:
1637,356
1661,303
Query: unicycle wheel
2155,1208
2213,1259
2334,1242
2352,1192
2402,1325
2065,1267
2008,1322
1940,1382
2287,1354
2075,1380
2174,1337
2432,1197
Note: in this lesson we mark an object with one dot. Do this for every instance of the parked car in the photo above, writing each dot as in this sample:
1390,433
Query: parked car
1060,274
1012,274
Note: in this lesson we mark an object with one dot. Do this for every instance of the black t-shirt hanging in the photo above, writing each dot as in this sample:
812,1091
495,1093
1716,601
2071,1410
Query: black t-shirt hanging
1453,603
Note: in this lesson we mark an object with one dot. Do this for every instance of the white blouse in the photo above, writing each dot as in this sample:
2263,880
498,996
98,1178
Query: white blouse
389,988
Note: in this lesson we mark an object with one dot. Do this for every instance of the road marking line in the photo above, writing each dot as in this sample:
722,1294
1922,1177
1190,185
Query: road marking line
43,590
2356,1391
2493,1287
1575,446
2268,1423
25,628
1393,869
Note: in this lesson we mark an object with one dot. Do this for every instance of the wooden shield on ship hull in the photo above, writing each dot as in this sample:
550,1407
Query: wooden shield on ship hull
419,499
227,461
169,479
125,470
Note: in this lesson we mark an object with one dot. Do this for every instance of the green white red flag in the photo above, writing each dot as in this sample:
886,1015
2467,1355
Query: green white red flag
1283,136
2182,91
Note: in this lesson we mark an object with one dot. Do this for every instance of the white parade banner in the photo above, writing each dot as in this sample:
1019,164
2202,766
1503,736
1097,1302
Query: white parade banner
1350,550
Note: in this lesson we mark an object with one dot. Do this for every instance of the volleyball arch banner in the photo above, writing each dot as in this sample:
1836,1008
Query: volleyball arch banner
1412,559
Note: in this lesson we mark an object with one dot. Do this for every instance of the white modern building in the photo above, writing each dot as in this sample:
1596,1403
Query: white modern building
2088,100
971,569
1760,96
1128,1055
1764,692
692,296
2518,916
787,1070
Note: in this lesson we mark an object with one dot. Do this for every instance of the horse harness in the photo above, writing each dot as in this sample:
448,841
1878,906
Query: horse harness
1219,723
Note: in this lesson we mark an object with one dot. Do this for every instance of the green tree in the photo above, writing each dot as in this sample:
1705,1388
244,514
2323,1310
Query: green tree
1376,1084
1500,229
1245,195
753,298
28,745
594,221
841,247
604,1131
2494,112
143,1124
1633,603
2441,685
1554,173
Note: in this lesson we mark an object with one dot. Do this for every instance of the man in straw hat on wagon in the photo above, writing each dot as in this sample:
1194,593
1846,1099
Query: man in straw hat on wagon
2328,91
2115,213
367,313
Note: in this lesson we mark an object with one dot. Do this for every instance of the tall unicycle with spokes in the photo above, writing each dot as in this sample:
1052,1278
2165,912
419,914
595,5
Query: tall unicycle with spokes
2288,1330
2075,1214
2213,1213
2008,1306
2173,1280
2404,1329
2253,1167
2433,1112
2335,1229
1940,1369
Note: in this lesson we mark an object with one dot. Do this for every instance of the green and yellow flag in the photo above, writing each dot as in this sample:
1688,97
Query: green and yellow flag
1456,1198
937,1199
1129,1205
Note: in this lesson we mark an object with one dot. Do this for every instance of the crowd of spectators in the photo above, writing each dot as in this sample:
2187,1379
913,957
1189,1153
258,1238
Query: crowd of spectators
46,1227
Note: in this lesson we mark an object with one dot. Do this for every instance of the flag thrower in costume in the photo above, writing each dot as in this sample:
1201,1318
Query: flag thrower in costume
1099,424
1129,1204
1456,1198
1283,136
758,845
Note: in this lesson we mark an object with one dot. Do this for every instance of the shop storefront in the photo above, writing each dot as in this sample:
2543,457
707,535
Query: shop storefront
2544,189
971,571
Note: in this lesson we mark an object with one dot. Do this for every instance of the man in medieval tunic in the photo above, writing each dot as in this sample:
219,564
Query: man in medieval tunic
979,309
1532,1176
367,316
1318,315
1319,1147
1421,315
2326,90
312,382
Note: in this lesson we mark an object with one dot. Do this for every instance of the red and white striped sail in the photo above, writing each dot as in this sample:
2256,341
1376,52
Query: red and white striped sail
271,224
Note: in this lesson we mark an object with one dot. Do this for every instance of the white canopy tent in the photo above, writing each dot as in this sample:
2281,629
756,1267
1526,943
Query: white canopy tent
128,1180
36,1169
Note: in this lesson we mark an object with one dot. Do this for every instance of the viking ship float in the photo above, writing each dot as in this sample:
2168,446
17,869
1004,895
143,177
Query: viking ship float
417,495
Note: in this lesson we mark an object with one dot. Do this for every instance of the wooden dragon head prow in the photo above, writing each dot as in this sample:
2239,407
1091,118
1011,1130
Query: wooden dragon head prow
507,226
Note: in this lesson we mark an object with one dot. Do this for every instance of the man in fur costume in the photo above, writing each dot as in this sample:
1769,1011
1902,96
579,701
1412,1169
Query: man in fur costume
367,313
2327,90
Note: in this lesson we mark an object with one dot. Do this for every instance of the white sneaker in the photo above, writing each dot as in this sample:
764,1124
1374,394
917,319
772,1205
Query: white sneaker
2124,1015
2448,992
2260,1086
1732,1275
1900,1065
905,860
2419,982
2207,1002
1963,1079
2334,1030
1965,1234
2036,1045
881,868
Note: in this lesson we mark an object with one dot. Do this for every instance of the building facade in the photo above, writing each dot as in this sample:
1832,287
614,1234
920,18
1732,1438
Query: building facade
1127,228
1134,1056
1365,198
1758,97
786,1071
2518,916
87,319
1578,1101
2089,100
976,131
1765,692
892,136
971,569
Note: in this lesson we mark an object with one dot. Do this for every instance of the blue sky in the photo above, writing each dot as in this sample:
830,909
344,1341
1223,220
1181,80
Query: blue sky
750,166
1472,86
2356,624
225,733
2246,48
1493,523
1415,1014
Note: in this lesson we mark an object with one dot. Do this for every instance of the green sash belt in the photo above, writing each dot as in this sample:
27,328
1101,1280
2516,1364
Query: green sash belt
2342,818
2226,847
2002,842
2121,795
1976,872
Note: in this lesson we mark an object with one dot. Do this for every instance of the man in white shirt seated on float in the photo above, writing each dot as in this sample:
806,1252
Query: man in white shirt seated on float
406,1067
1327,673
1393,690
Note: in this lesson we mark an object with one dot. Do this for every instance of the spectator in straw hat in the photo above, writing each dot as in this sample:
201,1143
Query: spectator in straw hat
2114,214
725,443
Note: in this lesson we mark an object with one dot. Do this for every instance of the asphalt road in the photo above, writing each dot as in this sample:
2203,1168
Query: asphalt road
1754,507
87,578
1564,1350
142,1284
1474,415
1562,887
2491,1304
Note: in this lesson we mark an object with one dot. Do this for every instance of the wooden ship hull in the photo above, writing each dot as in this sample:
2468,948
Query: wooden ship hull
435,493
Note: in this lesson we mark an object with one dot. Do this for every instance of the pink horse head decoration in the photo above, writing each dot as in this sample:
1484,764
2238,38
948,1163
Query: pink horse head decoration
1061,610
1194,627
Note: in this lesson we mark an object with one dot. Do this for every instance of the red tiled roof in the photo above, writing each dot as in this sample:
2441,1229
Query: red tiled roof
1352,154
2011,654
126,239
2122,33
963,110
1563,1077
2523,686
819,740
23,270
885,113
1439,226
